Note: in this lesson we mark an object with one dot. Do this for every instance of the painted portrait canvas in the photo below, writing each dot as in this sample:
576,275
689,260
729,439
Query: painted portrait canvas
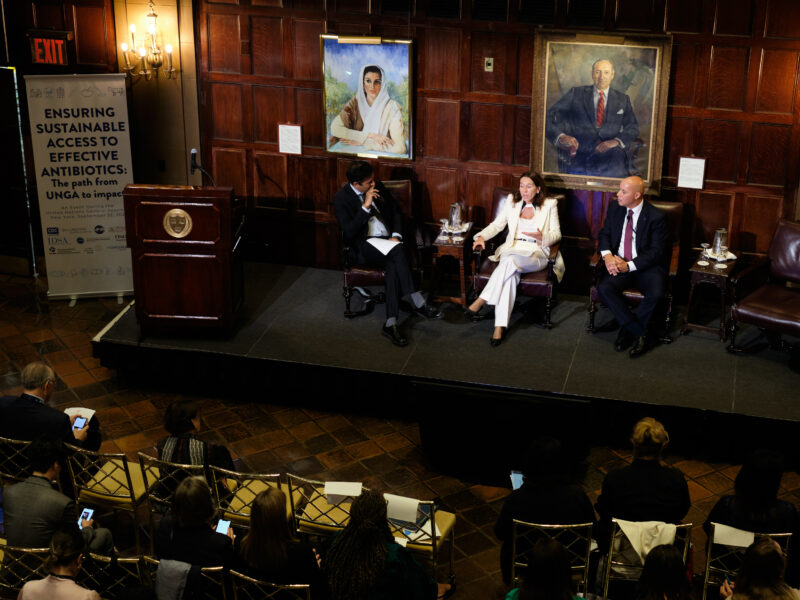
367,98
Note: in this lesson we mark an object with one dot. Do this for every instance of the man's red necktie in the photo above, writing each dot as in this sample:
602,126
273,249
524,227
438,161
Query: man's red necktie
628,247
601,110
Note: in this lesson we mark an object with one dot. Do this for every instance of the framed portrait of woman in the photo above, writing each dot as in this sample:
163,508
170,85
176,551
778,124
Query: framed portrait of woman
599,108
367,96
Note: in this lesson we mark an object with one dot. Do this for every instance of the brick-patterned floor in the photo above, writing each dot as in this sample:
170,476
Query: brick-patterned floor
384,454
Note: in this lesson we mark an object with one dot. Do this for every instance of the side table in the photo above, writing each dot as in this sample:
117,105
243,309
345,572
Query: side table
455,246
711,275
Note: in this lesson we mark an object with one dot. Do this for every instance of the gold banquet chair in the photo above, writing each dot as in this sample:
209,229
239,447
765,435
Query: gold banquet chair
243,488
422,539
576,539
247,588
312,513
619,567
107,480
724,559
109,576
211,584
20,565
14,462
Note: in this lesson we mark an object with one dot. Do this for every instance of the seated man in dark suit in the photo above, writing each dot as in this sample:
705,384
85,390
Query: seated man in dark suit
29,415
35,510
633,244
372,224
592,125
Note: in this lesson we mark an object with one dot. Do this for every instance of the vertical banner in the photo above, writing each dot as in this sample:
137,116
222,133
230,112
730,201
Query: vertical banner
82,153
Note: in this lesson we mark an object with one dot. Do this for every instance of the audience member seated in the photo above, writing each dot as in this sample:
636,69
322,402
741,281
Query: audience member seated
269,552
755,505
548,575
663,576
34,510
182,446
645,490
546,496
365,562
64,563
29,415
761,575
188,533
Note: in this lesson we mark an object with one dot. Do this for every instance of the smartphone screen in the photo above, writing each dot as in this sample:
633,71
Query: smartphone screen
79,423
516,480
222,526
86,514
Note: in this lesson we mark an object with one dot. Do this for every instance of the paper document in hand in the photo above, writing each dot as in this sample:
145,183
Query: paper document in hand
382,245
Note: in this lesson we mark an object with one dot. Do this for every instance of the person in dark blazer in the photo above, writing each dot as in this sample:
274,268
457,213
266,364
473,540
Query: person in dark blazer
592,125
29,415
34,510
372,224
633,243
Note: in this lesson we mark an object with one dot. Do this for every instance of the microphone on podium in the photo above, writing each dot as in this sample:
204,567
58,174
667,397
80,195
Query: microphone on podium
193,166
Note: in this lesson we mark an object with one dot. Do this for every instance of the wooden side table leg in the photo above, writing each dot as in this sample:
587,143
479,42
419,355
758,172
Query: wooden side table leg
723,298
685,328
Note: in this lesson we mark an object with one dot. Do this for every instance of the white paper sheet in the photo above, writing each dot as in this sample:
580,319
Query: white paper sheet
337,491
730,536
382,245
401,508
690,172
290,139
86,413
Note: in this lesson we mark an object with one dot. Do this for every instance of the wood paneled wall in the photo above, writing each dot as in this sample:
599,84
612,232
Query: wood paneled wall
733,99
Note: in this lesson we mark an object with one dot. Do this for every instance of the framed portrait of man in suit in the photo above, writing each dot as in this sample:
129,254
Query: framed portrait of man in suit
599,108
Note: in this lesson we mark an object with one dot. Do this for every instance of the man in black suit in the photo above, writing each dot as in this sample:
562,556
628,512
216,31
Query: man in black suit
633,244
592,125
34,510
29,415
372,224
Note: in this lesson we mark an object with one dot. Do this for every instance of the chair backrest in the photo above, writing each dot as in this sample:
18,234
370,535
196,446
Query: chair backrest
499,198
14,463
784,251
311,510
247,588
622,562
211,584
161,479
100,476
110,576
724,559
576,539
20,565
243,489
403,193
674,213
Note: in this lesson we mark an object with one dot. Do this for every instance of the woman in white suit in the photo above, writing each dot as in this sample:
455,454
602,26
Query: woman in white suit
533,227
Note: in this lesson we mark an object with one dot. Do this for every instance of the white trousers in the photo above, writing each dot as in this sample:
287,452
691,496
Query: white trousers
501,291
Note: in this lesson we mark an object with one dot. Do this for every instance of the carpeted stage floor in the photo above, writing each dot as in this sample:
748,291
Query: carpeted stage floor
293,316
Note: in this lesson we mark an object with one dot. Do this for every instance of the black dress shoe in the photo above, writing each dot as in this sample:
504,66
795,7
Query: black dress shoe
640,346
624,340
472,315
495,342
429,312
393,333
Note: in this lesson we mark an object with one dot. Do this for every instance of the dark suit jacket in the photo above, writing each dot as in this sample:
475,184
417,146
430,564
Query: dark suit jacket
25,418
34,511
353,220
652,235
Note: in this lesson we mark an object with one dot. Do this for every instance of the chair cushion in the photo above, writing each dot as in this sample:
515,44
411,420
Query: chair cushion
322,518
771,307
363,275
244,496
106,479
445,521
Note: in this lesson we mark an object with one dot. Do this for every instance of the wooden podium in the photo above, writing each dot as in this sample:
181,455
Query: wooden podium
187,256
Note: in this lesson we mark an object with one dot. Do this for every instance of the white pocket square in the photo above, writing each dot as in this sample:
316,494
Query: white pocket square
620,111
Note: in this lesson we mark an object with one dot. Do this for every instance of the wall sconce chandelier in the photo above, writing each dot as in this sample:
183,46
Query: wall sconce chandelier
147,58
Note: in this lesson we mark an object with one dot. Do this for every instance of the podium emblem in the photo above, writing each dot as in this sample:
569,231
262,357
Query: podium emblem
177,223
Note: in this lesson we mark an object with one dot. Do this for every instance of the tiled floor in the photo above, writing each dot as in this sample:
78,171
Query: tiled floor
384,454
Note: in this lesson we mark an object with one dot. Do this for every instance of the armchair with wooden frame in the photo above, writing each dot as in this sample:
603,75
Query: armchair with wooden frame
538,284
674,213
772,300
357,276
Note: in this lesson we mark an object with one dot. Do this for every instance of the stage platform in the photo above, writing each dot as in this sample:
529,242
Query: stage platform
293,316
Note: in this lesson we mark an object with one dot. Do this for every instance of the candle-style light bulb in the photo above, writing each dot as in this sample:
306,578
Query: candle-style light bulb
133,36
168,48
124,48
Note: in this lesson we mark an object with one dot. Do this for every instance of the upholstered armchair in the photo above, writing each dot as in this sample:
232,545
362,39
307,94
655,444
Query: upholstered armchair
772,301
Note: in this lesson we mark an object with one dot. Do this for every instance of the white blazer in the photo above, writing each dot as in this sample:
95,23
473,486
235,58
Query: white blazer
545,219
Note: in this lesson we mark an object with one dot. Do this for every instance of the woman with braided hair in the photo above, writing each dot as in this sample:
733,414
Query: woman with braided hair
365,563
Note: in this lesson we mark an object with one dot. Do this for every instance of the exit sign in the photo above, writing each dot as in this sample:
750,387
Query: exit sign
49,47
